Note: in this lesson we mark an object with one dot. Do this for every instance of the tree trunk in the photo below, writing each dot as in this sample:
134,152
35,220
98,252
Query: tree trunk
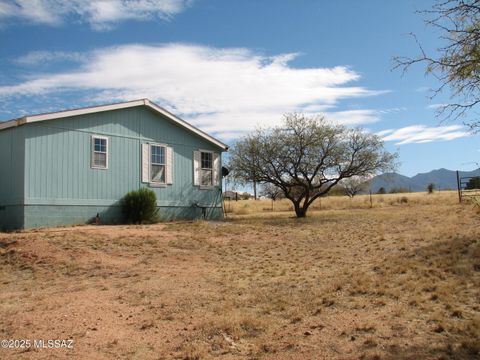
301,212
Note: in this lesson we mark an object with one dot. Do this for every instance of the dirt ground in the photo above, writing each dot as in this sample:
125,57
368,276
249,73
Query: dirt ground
397,282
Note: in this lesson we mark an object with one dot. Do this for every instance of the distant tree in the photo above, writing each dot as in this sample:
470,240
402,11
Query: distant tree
272,192
306,157
244,196
473,183
430,188
381,191
337,190
457,63
354,185
398,190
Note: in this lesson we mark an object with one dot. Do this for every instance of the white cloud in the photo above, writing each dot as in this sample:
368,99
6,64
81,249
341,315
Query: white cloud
422,89
101,14
423,134
359,116
221,90
436,106
392,110
354,117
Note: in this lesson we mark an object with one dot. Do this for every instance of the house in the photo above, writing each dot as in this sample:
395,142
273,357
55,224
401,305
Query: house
65,167
231,195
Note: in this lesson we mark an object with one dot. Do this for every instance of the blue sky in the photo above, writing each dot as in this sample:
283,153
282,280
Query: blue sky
228,66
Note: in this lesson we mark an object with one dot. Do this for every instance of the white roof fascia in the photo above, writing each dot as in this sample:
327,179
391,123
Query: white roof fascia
12,123
95,109
83,111
185,124
8,124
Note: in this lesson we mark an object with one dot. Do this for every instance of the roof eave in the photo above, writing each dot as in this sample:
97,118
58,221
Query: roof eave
12,123
117,106
185,124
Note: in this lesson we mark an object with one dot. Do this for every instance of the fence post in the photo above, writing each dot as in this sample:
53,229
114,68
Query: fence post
459,188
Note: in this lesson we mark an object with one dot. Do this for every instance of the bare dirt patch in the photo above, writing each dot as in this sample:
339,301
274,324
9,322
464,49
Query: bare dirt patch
389,282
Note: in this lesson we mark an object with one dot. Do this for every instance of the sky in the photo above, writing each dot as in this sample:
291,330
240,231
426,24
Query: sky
230,66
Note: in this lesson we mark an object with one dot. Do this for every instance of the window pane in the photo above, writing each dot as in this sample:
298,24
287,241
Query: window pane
158,155
206,160
100,159
157,173
206,178
101,145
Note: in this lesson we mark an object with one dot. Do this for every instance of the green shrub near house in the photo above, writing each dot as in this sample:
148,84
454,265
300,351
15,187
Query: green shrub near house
140,206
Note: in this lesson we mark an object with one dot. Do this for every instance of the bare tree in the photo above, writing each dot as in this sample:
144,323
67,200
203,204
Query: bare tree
457,63
354,185
272,192
306,157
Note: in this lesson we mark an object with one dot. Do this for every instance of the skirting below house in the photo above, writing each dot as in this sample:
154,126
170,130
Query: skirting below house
36,216
11,217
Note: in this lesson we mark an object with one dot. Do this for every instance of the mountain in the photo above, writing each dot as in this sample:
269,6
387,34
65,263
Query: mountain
442,178
389,181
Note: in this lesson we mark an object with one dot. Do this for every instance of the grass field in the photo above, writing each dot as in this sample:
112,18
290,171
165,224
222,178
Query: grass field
400,280
247,207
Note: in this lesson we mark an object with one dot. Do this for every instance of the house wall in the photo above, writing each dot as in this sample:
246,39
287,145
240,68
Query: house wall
62,188
11,178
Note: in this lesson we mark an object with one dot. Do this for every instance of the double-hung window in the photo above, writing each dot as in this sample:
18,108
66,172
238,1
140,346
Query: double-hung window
206,169
206,172
99,152
157,164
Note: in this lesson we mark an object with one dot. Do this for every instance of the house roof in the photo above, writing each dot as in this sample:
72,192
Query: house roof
94,109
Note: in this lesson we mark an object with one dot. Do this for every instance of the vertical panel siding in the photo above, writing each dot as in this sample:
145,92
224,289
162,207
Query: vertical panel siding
11,166
59,166
58,155
11,178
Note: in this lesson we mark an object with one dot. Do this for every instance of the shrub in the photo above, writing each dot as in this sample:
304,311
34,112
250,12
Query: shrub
473,183
430,188
140,206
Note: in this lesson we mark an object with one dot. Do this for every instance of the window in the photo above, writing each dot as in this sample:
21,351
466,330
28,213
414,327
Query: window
206,169
99,152
157,164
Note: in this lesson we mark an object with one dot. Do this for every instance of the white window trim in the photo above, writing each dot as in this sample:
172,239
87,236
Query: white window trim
97,167
206,187
157,183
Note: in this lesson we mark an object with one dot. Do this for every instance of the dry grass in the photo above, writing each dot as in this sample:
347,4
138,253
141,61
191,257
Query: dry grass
246,207
400,280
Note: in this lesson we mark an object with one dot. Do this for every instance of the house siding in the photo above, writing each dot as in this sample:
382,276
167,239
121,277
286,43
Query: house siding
11,178
60,187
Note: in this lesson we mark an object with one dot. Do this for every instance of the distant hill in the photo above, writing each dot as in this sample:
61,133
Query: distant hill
442,178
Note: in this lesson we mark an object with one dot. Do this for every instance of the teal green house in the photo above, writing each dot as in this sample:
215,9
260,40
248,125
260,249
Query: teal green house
66,167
